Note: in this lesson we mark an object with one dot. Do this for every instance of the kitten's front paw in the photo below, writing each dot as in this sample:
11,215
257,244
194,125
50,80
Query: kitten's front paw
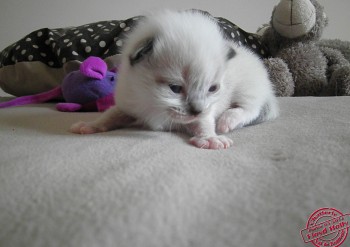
229,120
85,128
215,142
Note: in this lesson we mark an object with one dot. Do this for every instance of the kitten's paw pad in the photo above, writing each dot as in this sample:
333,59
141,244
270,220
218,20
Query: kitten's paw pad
215,142
85,128
227,122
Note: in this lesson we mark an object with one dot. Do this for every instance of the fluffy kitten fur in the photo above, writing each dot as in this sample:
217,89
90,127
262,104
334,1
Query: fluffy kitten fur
179,73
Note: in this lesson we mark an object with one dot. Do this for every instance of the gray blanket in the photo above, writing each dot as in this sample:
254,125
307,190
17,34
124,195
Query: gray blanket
138,188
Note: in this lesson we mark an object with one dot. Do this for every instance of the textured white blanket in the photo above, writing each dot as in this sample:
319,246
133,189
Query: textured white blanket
137,188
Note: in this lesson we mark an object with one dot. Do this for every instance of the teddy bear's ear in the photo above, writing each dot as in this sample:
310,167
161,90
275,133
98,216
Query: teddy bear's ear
325,17
71,66
262,29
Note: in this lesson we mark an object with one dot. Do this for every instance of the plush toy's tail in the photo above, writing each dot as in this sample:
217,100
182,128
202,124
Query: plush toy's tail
31,99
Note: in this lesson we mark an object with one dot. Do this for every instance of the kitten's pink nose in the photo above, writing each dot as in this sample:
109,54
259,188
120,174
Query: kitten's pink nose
194,110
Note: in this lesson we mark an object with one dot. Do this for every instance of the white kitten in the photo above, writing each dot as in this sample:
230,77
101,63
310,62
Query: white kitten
179,73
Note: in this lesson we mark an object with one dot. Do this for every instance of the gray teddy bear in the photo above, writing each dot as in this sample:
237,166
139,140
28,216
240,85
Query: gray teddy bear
301,64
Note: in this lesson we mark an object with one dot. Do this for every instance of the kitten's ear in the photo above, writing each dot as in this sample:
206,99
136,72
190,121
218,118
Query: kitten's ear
142,51
231,53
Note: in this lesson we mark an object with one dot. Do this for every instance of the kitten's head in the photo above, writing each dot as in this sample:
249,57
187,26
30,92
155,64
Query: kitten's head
173,68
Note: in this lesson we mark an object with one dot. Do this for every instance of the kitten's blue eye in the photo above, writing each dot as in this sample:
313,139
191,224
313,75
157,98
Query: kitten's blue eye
213,88
175,88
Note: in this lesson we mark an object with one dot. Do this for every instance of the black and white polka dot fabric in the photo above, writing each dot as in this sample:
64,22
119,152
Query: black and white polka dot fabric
36,62
55,47
241,37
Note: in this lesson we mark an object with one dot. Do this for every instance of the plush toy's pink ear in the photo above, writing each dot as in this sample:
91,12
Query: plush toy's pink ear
31,99
94,67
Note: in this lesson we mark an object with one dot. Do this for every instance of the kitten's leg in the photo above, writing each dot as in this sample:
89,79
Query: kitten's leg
205,136
109,120
233,118
239,116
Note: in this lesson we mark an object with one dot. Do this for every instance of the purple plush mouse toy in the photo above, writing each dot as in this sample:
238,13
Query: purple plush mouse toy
90,88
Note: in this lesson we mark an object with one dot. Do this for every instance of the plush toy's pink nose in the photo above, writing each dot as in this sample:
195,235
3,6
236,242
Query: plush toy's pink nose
94,67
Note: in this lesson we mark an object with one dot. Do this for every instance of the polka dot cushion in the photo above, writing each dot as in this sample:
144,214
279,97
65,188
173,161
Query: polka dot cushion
240,36
36,63
55,47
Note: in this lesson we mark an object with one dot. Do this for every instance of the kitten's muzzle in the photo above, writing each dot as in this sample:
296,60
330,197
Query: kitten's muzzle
181,116
194,110
195,107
